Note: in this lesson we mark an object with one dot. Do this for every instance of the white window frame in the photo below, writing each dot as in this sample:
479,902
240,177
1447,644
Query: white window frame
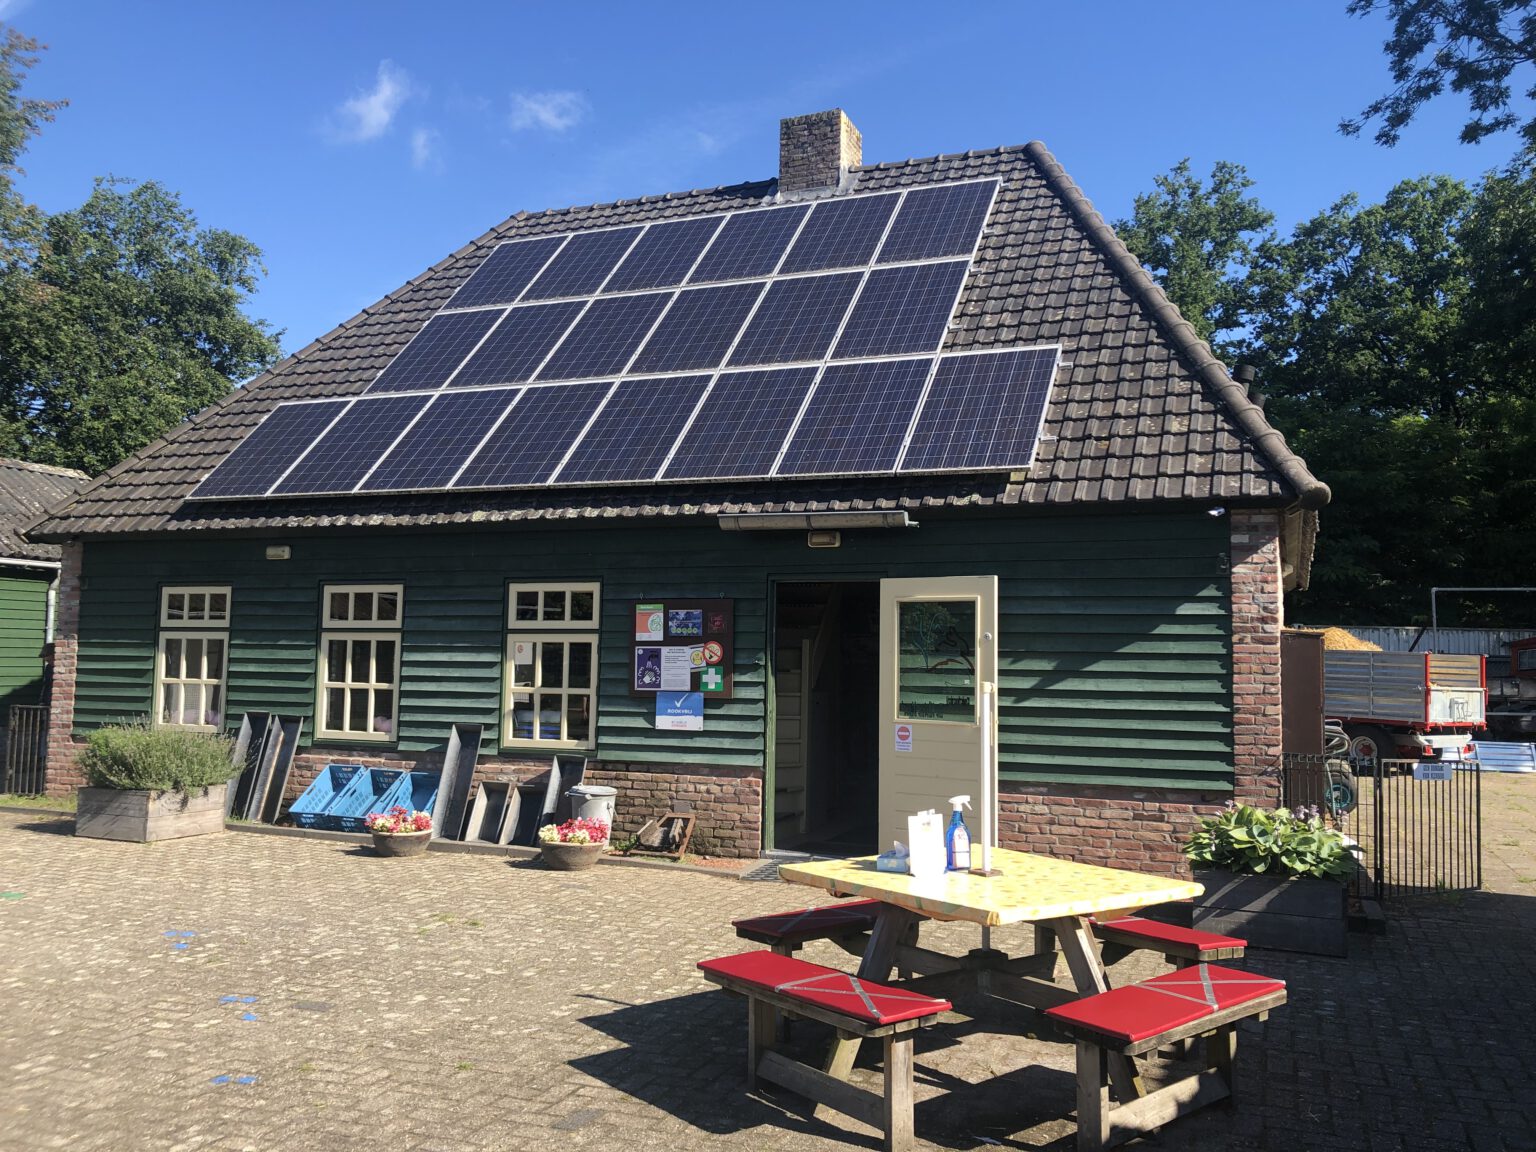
330,622
346,631
205,621
539,633
162,681
203,627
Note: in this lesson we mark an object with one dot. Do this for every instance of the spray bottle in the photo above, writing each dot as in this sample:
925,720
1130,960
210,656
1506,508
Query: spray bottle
957,837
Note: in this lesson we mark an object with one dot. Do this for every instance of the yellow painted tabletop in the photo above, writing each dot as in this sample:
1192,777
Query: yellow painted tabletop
1030,887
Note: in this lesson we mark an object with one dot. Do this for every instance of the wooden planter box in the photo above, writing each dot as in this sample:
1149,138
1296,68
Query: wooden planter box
108,814
1304,915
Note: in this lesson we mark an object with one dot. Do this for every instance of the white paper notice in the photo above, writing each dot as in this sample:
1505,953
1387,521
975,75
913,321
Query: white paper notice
522,652
676,670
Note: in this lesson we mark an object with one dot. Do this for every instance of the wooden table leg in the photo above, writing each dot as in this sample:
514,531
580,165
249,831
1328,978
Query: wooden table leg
891,927
1081,952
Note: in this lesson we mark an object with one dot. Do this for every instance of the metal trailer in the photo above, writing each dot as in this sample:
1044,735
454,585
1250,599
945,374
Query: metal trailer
1395,704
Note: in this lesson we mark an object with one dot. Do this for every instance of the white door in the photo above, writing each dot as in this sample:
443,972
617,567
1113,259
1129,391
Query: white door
938,671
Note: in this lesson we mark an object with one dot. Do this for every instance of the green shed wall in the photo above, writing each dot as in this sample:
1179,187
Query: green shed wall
1115,637
23,632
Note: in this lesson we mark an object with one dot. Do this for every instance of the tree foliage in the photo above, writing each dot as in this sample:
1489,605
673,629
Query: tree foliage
1397,345
1195,237
1474,47
119,319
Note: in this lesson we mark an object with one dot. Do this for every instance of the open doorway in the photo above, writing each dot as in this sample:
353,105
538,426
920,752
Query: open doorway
826,750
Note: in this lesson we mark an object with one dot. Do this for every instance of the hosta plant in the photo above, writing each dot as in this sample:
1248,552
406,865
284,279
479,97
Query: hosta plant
1281,842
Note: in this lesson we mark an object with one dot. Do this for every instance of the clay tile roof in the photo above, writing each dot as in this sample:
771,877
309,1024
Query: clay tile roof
1141,409
26,491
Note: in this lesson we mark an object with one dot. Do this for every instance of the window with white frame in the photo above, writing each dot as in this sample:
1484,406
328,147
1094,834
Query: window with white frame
192,658
551,673
359,674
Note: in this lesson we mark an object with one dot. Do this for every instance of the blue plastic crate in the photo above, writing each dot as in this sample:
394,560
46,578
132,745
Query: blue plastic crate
366,794
416,791
311,810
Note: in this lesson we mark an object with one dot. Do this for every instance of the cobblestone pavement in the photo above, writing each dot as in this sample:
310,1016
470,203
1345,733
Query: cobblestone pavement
255,992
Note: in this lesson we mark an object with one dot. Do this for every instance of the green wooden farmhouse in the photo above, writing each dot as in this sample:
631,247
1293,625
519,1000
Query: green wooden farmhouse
782,503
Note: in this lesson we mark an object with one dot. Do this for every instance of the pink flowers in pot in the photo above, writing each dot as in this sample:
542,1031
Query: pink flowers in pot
575,832
399,819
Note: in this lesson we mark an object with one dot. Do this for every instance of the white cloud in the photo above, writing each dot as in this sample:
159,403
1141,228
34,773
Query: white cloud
368,115
552,111
424,146
9,8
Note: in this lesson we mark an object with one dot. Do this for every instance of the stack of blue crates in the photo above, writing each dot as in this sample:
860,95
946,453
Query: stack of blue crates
415,792
343,796
313,809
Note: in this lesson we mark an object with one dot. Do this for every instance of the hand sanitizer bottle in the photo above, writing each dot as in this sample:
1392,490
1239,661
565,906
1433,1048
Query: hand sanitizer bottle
957,837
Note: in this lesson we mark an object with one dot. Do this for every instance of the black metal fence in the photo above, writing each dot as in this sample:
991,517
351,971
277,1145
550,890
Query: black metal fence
1418,823
26,743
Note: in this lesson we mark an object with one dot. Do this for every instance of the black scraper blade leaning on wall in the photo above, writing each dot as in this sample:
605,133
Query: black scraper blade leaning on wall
247,753
458,774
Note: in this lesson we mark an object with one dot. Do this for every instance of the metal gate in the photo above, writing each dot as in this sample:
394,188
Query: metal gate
1419,823
26,742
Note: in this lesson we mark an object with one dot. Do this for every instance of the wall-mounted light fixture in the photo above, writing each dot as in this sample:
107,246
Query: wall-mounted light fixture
279,552
823,538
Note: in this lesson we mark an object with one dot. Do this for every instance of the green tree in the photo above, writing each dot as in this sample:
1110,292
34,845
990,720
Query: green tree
1474,47
1198,239
119,319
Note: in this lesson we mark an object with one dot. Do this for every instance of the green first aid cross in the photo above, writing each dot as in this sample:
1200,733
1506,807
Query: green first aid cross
711,680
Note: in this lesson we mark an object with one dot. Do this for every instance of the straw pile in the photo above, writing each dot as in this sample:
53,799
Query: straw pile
1338,640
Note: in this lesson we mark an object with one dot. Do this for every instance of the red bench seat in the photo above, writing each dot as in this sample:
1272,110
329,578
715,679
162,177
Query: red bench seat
1135,1013
869,1003
786,931
1177,943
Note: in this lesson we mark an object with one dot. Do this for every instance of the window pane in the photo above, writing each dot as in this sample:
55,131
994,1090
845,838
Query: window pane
522,717
173,665
578,718
168,703
581,665
554,605
214,669
551,661
388,606
936,673
582,605
197,606
191,704
522,671
383,710
361,650
336,661
194,648
362,606
340,602
357,710
218,606
383,661
549,716
214,714
175,606
526,606
335,708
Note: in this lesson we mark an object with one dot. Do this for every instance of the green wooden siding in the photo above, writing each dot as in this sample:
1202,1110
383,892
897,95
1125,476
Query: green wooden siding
1115,659
23,632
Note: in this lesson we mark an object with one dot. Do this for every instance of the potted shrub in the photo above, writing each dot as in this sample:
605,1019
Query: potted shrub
147,783
400,832
574,845
1274,877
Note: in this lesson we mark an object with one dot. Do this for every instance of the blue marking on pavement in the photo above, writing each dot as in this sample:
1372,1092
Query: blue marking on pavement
245,1079
219,1080
248,1016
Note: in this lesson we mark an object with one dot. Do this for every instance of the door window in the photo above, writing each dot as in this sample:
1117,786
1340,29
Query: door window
936,669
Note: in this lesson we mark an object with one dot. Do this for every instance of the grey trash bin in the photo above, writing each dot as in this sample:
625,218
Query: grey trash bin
593,802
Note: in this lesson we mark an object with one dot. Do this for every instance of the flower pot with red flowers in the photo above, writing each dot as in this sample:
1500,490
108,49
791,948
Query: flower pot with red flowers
574,845
400,832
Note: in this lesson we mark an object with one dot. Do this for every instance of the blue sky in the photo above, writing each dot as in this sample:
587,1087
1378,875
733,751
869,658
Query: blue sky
358,143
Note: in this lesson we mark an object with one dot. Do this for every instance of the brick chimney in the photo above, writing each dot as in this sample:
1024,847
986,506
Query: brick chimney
816,151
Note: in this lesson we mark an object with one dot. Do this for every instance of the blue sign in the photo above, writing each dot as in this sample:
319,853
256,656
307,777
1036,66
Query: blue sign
680,711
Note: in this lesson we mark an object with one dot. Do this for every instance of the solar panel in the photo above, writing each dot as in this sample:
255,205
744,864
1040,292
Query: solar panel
750,244
438,444
857,419
517,346
901,310
982,411
942,221
583,264
268,450
840,233
698,329
342,456
531,441
436,351
504,274
663,255
796,320
634,432
605,337
742,425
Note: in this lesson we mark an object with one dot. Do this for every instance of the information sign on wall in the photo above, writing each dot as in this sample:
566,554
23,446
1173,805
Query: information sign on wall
683,646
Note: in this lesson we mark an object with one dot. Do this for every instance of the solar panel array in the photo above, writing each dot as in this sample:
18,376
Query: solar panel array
796,340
